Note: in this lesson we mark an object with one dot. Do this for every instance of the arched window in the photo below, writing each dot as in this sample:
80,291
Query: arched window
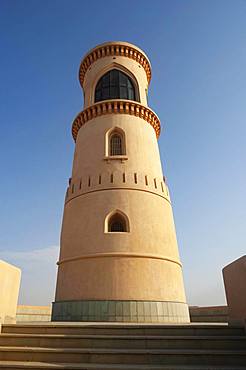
116,145
117,223
115,85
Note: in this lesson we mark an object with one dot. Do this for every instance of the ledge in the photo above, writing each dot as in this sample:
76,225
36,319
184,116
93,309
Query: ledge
121,158
116,106
121,255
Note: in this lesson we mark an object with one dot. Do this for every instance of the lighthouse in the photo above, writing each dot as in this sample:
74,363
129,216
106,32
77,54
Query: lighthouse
119,259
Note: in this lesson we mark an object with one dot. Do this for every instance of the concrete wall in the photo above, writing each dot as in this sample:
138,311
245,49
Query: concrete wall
33,313
9,291
234,276
209,314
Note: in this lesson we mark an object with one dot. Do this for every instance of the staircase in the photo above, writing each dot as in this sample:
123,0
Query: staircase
108,346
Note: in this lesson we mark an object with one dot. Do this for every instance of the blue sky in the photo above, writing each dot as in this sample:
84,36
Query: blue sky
198,89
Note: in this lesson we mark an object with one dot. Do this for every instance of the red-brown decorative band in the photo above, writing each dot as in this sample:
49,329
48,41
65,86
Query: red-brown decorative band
114,50
116,106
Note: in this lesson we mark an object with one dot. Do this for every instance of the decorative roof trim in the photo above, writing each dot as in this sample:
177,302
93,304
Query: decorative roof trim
116,106
113,49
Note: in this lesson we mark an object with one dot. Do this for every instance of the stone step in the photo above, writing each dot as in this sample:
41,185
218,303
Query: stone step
125,356
16,365
123,329
123,341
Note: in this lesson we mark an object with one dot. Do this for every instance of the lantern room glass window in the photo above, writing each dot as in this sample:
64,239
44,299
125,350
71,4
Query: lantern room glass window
115,85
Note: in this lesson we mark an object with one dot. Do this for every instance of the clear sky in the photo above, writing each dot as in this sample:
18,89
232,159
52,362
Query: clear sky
198,55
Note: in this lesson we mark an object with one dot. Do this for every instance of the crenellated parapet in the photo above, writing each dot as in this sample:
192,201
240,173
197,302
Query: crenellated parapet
116,107
117,180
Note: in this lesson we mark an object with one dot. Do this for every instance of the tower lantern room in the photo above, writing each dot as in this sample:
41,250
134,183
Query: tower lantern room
119,257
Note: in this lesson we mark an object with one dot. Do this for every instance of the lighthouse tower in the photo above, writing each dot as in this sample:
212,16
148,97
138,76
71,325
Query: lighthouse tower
119,257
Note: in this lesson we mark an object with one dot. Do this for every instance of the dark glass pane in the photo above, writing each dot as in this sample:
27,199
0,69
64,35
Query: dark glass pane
114,77
131,94
114,92
105,93
123,79
129,83
105,80
123,92
98,95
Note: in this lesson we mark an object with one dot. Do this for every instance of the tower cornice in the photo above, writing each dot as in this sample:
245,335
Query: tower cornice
116,106
114,48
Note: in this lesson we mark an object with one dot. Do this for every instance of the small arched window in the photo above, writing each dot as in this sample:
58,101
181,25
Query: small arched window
115,85
115,144
117,223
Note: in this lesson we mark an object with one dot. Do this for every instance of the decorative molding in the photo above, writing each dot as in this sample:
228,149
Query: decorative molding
116,106
116,49
74,196
119,254
118,180
121,158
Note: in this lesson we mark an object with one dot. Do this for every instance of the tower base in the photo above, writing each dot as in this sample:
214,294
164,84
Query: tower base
121,311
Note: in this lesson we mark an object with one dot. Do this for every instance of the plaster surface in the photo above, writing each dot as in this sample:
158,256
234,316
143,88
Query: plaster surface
234,276
9,291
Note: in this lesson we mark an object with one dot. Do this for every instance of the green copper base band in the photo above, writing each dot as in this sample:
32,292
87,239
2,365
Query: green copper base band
121,311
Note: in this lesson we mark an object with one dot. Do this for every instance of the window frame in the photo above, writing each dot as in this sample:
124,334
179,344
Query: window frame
129,85
122,217
108,135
